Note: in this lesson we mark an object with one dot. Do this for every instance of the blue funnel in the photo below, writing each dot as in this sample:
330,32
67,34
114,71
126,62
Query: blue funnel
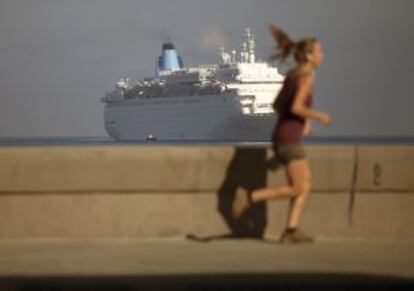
169,60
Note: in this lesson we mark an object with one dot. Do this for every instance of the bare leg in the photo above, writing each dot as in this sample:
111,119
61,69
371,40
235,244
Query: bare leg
274,192
271,193
299,174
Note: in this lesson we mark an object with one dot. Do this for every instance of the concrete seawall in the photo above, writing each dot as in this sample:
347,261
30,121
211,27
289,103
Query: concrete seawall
129,192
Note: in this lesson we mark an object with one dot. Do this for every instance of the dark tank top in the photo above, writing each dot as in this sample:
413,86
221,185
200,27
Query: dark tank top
289,127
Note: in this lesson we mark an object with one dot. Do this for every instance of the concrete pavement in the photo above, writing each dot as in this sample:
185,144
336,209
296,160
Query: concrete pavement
178,260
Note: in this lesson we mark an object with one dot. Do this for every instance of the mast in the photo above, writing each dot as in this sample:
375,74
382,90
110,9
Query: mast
249,46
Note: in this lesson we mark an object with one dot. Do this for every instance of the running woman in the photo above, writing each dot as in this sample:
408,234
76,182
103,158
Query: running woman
293,106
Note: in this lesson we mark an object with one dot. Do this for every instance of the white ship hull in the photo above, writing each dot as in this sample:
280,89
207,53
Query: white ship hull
230,101
216,117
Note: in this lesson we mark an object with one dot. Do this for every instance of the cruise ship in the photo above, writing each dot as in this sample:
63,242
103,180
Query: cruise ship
230,101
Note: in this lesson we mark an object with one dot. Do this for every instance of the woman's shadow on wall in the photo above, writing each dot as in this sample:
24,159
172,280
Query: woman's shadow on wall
248,170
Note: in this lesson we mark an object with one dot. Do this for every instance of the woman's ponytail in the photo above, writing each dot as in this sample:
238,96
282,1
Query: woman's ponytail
285,45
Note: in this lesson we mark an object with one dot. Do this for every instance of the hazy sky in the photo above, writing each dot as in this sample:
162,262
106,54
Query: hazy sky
58,57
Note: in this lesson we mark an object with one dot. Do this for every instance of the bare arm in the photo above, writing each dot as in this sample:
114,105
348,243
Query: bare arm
299,107
307,130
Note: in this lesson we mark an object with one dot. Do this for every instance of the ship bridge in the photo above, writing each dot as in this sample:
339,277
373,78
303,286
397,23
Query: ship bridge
250,78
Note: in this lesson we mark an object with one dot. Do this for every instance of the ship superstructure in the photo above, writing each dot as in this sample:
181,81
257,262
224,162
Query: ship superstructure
228,101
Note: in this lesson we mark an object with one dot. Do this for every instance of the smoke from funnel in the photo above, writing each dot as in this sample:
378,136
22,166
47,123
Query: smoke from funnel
212,38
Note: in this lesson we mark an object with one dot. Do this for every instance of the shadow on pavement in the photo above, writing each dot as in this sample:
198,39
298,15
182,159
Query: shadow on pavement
248,170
